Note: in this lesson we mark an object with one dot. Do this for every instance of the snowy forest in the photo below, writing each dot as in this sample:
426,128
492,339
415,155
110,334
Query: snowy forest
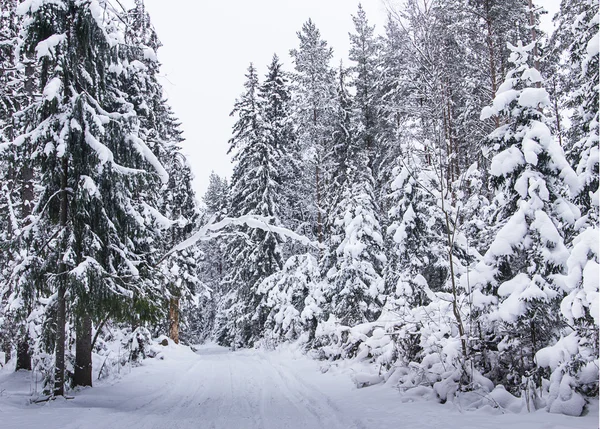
428,207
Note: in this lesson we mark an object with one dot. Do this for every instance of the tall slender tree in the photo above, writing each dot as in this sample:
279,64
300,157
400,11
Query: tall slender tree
354,261
364,54
314,92
255,186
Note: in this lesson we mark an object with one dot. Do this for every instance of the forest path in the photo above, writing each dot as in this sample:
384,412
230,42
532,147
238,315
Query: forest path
215,388
220,389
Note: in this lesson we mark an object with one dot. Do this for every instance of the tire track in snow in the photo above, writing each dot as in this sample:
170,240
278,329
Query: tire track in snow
318,400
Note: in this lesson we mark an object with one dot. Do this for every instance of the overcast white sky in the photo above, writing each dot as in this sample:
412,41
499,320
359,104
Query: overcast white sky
208,46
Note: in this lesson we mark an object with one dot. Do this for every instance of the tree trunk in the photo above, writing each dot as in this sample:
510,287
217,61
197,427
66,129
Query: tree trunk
23,355
318,196
174,319
27,196
536,57
83,352
556,111
492,54
7,337
7,349
59,369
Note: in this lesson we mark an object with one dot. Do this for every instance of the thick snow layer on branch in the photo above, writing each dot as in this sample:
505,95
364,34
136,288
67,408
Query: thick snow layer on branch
150,54
501,102
89,185
258,222
534,98
507,161
163,221
513,306
46,47
532,75
510,235
52,89
105,155
593,46
34,5
145,151
583,278
554,251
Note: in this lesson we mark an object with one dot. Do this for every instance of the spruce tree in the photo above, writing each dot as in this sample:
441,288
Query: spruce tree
580,22
255,186
159,128
16,193
354,261
276,99
364,53
528,249
314,93
98,177
577,349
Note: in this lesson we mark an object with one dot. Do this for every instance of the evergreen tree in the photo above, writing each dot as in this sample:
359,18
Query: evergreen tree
578,29
215,198
364,52
354,261
528,249
314,92
98,177
160,129
213,261
577,349
16,192
276,99
255,185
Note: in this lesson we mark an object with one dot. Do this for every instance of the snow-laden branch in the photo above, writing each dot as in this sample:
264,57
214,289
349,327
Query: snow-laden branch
252,221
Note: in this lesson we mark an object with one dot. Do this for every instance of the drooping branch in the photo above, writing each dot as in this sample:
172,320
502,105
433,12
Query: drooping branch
211,230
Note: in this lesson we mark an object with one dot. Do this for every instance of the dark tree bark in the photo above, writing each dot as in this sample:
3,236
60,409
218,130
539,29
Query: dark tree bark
27,197
23,355
83,352
59,370
174,319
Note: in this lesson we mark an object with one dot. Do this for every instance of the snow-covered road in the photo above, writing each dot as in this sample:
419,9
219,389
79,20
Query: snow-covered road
248,389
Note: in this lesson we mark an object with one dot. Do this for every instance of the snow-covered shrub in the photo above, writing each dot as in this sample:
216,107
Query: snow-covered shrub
118,348
293,298
574,371
573,360
371,342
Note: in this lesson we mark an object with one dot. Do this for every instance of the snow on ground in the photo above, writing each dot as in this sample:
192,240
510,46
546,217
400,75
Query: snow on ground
215,388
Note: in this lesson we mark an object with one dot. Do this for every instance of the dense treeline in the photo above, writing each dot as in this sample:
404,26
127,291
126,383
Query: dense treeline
446,176
453,191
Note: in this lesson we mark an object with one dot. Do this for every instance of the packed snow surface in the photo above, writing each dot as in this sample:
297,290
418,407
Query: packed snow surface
215,388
